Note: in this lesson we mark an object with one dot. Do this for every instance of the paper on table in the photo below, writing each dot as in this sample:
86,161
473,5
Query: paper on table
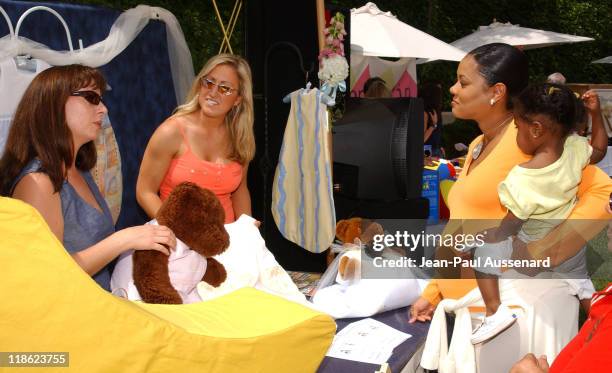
367,341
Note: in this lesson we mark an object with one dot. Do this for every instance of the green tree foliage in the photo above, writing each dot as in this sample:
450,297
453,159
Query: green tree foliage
447,20
450,20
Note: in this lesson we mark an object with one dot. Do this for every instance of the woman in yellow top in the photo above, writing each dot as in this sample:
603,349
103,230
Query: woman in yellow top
488,78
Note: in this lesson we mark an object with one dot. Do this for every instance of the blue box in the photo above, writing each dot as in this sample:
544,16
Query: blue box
431,187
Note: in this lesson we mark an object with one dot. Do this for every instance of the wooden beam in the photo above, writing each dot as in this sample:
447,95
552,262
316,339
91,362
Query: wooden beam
321,23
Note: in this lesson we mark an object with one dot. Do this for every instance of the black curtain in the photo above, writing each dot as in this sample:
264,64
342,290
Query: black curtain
281,38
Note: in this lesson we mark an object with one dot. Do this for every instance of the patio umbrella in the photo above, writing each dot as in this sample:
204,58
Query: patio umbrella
604,60
527,38
377,33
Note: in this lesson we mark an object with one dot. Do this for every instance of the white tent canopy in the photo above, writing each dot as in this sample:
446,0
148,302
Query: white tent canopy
604,60
511,34
377,33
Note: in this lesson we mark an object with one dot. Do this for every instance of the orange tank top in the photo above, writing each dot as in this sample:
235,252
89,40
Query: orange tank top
221,178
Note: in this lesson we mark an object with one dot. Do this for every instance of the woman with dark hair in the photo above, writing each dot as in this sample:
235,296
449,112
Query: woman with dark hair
488,79
46,163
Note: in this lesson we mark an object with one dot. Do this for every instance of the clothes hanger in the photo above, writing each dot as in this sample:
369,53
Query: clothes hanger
8,22
24,61
287,98
328,101
56,14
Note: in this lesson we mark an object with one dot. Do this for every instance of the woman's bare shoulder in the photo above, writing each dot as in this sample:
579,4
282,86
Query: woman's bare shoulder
34,186
169,132
170,126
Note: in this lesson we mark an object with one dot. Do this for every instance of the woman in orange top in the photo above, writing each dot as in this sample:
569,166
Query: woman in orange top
208,140
487,80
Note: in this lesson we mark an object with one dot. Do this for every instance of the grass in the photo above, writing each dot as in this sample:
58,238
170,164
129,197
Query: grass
599,260
599,264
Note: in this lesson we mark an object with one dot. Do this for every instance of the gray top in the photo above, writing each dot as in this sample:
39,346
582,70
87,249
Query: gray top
84,225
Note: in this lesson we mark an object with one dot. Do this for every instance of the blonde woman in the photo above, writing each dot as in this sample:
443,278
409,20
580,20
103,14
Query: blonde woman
208,140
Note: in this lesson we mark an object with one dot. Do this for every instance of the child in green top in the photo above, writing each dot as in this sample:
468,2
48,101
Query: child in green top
539,194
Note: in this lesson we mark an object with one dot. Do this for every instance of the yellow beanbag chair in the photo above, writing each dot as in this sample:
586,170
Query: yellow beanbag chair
50,305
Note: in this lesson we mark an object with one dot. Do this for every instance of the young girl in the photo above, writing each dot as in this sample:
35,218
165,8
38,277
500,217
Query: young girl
539,194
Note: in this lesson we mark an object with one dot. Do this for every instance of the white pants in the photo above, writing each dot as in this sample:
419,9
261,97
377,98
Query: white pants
492,251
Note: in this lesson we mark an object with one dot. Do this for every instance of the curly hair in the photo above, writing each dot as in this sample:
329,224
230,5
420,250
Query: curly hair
555,101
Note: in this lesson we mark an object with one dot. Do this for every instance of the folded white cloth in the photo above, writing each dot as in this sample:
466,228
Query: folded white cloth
549,309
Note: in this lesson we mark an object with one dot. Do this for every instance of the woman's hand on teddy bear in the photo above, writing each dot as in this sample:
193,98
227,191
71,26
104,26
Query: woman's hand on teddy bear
147,237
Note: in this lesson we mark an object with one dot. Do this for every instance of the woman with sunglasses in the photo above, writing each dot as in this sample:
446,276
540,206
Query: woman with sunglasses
209,140
49,152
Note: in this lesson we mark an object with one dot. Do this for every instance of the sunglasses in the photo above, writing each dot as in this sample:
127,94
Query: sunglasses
91,96
222,88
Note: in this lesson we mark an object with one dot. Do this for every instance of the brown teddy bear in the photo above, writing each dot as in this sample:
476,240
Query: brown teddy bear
196,217
348,229
354,231
363,229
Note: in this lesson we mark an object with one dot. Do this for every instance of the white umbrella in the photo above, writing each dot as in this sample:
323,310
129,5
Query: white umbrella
508,33
604,60
377,33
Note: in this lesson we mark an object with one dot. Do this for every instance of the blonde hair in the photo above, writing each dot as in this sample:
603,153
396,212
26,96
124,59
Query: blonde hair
239,120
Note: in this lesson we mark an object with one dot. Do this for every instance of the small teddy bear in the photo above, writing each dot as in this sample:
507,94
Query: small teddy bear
196,217
353,233
357,228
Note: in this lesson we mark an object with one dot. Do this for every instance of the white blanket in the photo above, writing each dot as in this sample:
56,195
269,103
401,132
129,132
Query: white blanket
362,297
247,261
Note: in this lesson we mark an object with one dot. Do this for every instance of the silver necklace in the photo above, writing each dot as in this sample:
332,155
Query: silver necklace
478,148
